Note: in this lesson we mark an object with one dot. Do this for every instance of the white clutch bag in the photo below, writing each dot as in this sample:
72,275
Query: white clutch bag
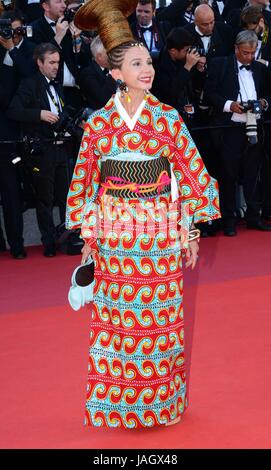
82,283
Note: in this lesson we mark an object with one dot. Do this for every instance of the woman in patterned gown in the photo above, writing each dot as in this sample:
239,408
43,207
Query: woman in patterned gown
120,196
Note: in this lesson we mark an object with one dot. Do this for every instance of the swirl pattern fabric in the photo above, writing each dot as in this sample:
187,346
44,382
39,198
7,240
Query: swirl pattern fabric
136,370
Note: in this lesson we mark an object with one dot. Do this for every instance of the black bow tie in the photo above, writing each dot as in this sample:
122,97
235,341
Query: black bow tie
247,67
105,71
143,29
53,23
204,35
53,83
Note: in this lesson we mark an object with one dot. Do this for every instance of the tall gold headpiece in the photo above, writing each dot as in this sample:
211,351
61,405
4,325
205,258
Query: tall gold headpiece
109,18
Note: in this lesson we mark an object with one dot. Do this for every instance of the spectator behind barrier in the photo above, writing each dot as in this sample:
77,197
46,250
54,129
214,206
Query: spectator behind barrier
38,106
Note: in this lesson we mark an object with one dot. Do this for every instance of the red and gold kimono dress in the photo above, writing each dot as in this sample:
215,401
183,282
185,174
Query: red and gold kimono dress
136,370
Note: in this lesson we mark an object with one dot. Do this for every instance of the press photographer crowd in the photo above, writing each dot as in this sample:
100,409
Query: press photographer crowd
212,63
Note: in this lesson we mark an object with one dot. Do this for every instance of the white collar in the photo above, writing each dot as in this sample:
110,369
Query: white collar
240,65
146,26
131,122
201,34
19,44
49,20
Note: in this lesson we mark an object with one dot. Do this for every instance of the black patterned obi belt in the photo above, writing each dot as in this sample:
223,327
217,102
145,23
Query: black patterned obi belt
135,178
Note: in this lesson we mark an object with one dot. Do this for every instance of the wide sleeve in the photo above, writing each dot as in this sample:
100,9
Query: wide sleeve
82,208
198,199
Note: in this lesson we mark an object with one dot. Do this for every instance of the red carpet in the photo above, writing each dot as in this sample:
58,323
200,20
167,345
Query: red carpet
44,347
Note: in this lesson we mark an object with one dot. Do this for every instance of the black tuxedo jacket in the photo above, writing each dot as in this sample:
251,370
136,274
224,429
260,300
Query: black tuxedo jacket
43,32
23,63
96,86
172,84
163,28
232,5
222,84
221,40
26,105
174,13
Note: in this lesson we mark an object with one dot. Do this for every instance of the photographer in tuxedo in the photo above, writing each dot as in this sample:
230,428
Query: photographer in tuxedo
237,89
177,66
55,28
96,83
16,52
148,29
38,105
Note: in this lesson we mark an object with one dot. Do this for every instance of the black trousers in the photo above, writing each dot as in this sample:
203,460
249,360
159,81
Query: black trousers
240,162
12,201
51,185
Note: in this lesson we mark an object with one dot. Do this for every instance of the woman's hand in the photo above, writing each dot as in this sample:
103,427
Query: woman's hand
86,252
192,254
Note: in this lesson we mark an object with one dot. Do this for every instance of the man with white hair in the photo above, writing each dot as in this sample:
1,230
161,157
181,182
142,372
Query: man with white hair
234,84
96,83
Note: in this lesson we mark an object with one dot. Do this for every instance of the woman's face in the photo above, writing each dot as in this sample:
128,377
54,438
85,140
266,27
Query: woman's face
137,70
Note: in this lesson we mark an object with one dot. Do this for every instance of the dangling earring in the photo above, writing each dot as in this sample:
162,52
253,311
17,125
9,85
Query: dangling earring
146,94
124,90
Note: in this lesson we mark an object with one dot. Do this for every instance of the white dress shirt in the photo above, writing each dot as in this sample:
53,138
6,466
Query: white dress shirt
205,39
68,78
220,5
149,39
53,107
247,92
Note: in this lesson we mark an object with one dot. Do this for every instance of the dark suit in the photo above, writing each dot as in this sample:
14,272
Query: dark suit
10,182
32,11
236,157
160,30
52,178
174,13
43,32
22,57
221,42
173,83
96,86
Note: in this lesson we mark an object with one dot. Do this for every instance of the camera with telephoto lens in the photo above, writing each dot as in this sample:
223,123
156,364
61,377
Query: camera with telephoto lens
254,106
7,32
70,121
253,110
